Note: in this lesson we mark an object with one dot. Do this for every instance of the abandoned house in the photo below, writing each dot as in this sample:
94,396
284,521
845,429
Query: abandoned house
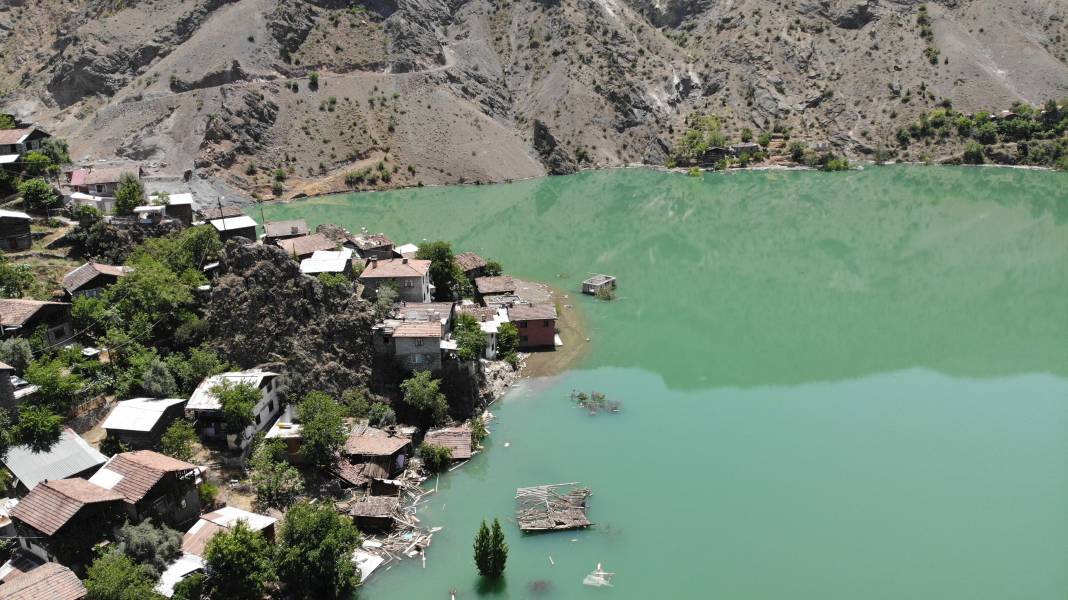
140,422
410,276
23,318
207,410
91,279
15,231
153,486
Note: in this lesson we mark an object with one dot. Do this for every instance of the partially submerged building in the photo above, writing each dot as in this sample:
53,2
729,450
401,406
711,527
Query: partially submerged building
23,318
207,409
536,324
140,422
153,486
458,440
375,513
597,283
91,279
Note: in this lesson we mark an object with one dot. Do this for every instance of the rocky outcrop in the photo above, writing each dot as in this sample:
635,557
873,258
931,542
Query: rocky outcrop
213,78
241,127
290,24
557,161
414,34
262,309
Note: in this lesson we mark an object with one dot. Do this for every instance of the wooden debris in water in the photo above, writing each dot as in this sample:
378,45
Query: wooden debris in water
553,507
598,578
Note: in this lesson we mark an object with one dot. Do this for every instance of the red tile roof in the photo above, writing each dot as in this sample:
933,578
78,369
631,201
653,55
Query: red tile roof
50,581
533,312
110,174
499,284
307,244
141,470
418,329
368,441
14,312
395,267
370,241
457,439
53,503
469,261
12,136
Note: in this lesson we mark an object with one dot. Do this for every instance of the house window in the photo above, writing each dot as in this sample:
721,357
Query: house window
522,324
257,419
418,342
409,283
385,339
545,323
418,359
99,188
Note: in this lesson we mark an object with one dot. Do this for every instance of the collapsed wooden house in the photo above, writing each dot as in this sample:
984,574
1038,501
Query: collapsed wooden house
375,513
553,507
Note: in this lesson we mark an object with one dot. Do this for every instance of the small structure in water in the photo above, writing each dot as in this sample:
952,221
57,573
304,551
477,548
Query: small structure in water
553,507
598,578
596,283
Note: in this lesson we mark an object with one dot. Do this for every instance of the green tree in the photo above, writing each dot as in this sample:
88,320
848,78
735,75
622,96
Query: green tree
152,546
385,297
381,414
38,427
322,428
314,556
157,382
443,269
355,403
7,121
973,153
56,150
507,339
129,195
37,164
335,280
747,135
238,401
16,352
276,483
201,363
238,564
764,140
114,576
470,340
15,279
422,393
38,194
493,268
190,588
57,386
797,151
435,458
491,551
179,440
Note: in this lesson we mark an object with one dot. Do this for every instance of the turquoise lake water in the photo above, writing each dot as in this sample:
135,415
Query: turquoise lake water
835,385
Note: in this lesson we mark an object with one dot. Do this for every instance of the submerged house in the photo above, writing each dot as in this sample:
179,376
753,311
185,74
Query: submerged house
23,318
68,458
152,485
65,517
374,513
458,440
376,446
410,276
15,231
536,324
91,279
140,422
207,410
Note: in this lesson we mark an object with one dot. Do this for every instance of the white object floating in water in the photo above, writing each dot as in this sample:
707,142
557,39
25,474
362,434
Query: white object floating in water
506,444
598,578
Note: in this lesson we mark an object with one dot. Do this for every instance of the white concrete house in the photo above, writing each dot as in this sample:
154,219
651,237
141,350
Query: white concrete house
207,410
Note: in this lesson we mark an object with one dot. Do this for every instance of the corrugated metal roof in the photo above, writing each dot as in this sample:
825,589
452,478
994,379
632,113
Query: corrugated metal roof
311,266
139,414
232,223
204,399
14,214
67,457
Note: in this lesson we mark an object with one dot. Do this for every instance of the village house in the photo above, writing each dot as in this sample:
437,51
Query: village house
406,250
427,311
472,264
151,214
102,181
378,447
207,410
410,276
235,227
275,231
23,318
328,261
50,581
371,245
219,212
287,428
15,231
306,245
68,458
457,439
15,143
490,319
417,345
65,517
597,283
91,279
153,486
374,513
497,285
196,540
176,206
536,324
140,422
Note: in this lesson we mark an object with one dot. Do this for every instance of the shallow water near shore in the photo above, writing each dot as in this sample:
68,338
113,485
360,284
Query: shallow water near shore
834,385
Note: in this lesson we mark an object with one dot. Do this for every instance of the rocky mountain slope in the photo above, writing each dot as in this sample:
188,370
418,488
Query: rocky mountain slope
308,96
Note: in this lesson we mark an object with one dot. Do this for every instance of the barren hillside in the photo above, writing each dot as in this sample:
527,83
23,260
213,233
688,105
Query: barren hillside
436,91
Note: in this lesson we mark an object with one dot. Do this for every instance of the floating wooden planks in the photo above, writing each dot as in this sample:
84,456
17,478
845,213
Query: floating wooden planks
554,507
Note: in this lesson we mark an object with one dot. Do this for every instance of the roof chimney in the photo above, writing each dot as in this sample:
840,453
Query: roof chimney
404,261
293,230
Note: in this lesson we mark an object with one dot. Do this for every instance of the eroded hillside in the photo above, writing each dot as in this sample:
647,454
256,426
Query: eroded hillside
306,96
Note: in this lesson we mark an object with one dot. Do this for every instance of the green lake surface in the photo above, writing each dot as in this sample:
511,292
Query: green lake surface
835,386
